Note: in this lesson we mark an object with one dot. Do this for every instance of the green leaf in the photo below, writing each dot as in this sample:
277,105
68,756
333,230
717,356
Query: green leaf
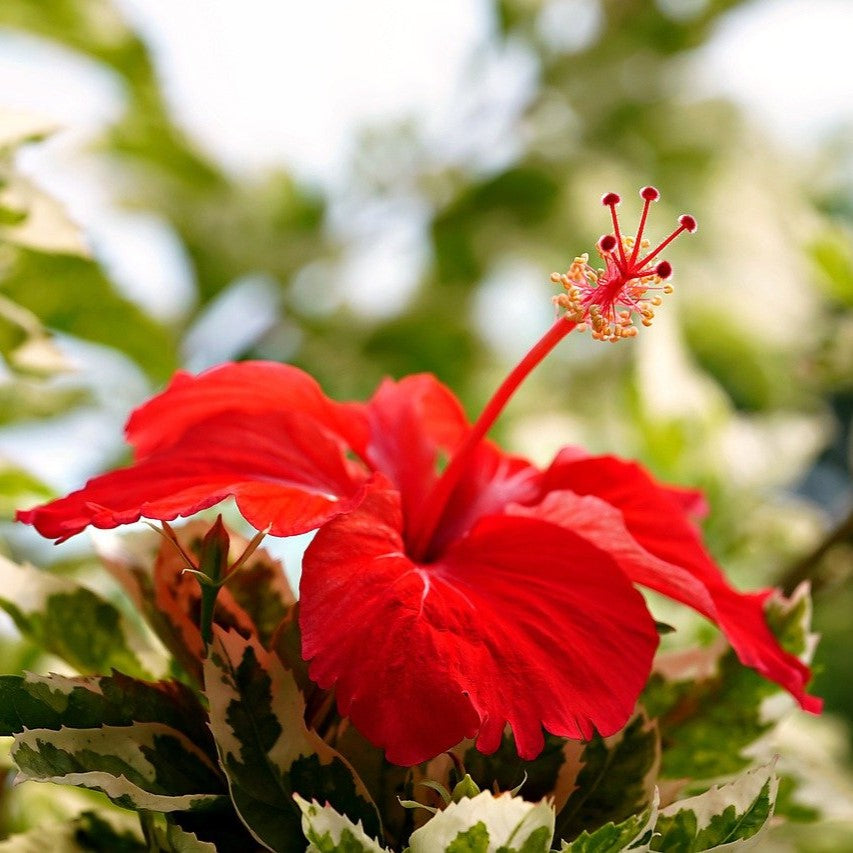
71,294
503,770
268,754
521,194
466,787
720,817
22,398
89,831
150,568
504,823
473,840
331,832
387,784
261,589
788,805
25,344
73,622
175,840
616,781
147,766
697,714
833,258
28,216
635,833
32,219
56,701
132,561
18,127
19,489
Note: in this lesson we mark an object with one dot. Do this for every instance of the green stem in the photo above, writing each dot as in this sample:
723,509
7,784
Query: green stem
213,567
208,603
146,822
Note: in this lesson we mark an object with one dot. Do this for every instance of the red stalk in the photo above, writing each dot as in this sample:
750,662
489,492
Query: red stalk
438,496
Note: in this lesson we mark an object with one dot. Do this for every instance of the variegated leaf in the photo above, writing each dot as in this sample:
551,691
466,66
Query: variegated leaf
130,560
726,817
173,839
387,784
18,488
552,774
634,834
144,766
32,218
53,701
61,288
90,831
177,594
488,824
705,698
44,223
256,713
617,780
74,623
327,831
18,127
254,601
28,347
260,588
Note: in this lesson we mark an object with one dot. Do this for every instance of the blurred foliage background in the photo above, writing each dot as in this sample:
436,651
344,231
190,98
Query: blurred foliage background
744,387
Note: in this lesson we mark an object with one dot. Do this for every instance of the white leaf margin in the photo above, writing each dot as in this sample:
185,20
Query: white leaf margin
645,830
28,589
318,820
115,741
508,820
741,793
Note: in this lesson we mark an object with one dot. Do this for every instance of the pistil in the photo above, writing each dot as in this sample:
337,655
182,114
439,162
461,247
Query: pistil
440,493
605,300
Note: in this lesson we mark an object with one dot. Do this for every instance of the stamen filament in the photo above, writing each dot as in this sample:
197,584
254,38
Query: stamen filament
438,496
665,243
647,203
611,200
648,195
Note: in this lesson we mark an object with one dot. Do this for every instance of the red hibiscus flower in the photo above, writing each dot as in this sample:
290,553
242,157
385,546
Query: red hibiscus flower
442,606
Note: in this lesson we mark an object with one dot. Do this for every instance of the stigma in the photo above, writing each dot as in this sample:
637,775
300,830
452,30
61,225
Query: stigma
629,286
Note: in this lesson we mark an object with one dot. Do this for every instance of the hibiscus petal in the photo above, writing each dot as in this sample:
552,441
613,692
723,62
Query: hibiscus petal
658,523
603,525
442,417
251,389
521,622
692,501
491,481
283,470
409,422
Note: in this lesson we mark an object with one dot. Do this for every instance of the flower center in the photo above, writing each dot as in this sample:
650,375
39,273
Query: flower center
607,300
604,300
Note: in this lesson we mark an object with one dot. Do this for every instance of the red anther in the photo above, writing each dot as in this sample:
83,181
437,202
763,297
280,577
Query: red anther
607,243
664,269
610,199
687,222
649,194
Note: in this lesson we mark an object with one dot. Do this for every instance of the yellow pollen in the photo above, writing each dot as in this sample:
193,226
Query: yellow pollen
612,322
